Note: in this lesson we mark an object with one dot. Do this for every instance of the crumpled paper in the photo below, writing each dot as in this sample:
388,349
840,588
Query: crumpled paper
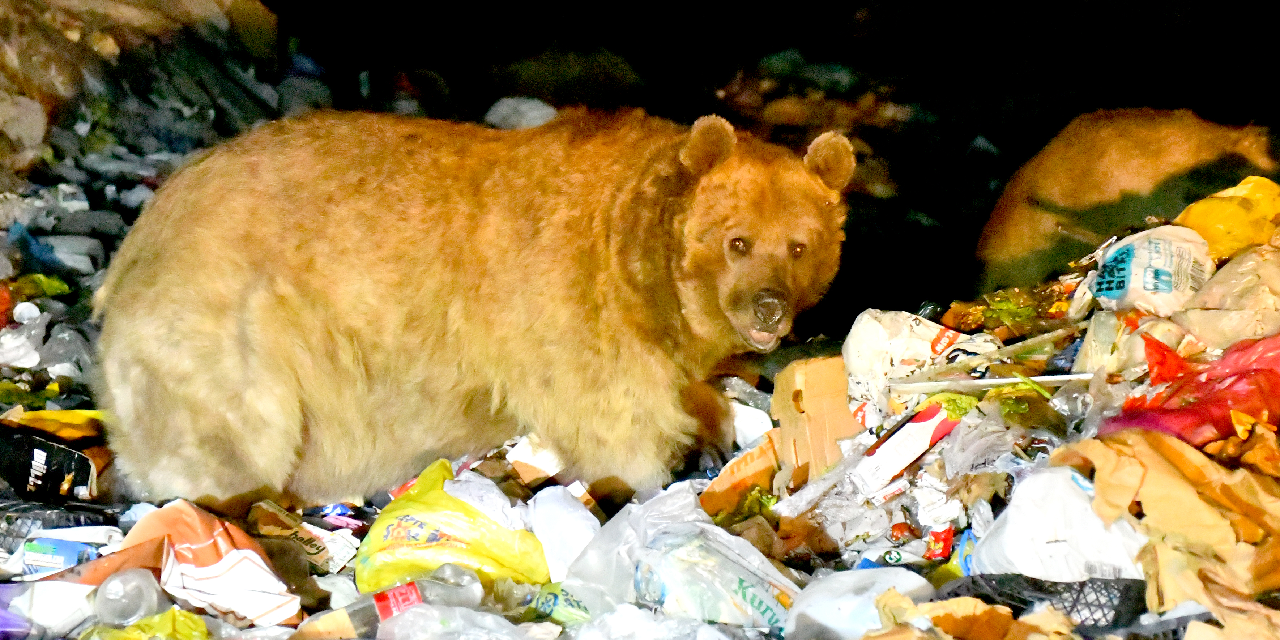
966,619
895,344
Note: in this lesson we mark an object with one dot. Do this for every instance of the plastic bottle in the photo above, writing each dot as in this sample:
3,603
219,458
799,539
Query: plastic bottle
129,596
450,585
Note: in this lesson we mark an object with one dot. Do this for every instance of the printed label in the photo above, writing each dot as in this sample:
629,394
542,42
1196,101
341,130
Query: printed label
1113,275
1157,280
396,600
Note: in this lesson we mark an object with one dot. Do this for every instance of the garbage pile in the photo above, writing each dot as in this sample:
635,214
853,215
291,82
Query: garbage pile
1092,457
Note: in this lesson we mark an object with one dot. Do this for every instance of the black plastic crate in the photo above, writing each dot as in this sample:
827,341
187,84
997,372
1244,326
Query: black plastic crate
1173,629
19,519
1097,605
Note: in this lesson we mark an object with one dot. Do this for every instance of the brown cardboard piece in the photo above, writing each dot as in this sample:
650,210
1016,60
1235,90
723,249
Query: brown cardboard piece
811,405
754,468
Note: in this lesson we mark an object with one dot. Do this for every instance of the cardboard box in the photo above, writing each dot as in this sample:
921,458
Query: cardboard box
811,405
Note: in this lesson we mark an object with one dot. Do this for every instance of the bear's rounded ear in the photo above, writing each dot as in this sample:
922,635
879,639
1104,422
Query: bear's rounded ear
710,142
830,156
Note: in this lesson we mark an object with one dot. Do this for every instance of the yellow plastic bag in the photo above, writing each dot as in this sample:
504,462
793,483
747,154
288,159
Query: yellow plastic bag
426,527
1235,218
173,624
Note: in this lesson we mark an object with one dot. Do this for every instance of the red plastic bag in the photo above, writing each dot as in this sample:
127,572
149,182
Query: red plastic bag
1197,404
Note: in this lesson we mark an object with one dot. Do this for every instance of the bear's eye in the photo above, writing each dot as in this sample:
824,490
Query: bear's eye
739,246
797,250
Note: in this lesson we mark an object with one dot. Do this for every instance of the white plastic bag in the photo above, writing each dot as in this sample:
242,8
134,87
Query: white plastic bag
629,622
1049,531
843,605
564,527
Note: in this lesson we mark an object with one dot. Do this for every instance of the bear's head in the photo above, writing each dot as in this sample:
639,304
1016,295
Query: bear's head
761,235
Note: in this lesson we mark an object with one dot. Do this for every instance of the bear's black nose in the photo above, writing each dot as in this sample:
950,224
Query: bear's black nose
769,307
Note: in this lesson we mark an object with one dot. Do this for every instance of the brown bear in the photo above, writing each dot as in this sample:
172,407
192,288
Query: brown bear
323,306
1105,173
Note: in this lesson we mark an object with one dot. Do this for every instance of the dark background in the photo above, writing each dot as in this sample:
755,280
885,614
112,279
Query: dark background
1014,75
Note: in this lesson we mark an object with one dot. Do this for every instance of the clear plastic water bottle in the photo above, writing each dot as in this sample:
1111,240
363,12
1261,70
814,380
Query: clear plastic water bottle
129,596
450,585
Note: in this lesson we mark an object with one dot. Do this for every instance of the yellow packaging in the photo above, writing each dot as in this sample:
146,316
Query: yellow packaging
426,527
1235,218
172,624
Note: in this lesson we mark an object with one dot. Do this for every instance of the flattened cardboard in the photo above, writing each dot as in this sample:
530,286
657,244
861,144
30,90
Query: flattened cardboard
811,405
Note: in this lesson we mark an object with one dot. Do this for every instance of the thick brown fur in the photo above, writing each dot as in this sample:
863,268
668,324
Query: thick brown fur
324,306
1097,160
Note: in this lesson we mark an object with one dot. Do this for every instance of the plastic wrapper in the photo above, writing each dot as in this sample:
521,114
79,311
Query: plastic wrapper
207,563
327,552
487,498
894,344
1049,531
20,345
981,437
749,425
658,531
426,527
1201,412
1156,271
50,468
52,550
432,622
1236,218
554,602
701,572
18,520
1241,301
56,607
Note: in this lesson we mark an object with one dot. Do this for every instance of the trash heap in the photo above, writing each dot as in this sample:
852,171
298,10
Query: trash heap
1092,457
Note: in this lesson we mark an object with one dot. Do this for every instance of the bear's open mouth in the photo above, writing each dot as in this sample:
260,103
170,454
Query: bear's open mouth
763,341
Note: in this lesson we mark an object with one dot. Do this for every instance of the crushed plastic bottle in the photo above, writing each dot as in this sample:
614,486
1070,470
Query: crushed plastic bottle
129,596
